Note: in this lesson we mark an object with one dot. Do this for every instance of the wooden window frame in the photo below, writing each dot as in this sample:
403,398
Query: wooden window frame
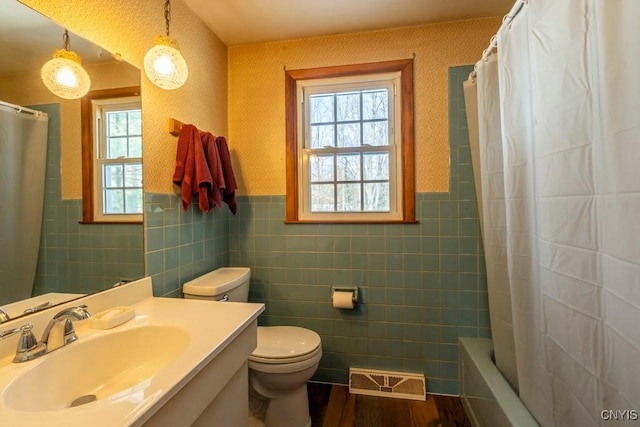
405,67
88,149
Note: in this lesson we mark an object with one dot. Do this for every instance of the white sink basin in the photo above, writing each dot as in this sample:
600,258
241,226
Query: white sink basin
138,370
106,367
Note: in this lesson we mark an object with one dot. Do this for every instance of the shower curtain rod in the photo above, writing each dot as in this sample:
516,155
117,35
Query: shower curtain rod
506,21
20,109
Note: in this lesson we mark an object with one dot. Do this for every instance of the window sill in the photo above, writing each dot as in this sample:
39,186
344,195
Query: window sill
111,222
346,221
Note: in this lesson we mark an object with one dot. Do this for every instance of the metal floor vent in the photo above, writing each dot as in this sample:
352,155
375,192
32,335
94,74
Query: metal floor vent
388,384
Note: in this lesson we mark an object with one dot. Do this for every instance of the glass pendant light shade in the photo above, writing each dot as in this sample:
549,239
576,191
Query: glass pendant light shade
64,76
164,65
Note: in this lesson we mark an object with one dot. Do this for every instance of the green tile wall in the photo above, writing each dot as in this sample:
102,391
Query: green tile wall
74,257
182,245
421,285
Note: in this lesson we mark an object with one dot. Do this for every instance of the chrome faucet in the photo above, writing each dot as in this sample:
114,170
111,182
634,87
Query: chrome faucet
62,323
58,333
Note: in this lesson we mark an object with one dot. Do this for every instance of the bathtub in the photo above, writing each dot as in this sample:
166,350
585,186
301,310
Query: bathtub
487,397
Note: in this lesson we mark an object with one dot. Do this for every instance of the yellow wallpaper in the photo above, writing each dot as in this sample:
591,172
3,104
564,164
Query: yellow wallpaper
128,28
256,93
26,88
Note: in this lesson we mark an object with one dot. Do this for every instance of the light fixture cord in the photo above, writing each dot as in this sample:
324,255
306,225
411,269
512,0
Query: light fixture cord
65,40
167,14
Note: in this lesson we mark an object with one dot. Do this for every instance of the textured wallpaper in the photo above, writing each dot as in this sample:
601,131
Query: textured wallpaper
128,28
256,93
255,84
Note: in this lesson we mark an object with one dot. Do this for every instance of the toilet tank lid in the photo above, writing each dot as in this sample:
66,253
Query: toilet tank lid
217,281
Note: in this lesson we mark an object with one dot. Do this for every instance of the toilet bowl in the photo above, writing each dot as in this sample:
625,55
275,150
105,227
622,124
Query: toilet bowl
285,358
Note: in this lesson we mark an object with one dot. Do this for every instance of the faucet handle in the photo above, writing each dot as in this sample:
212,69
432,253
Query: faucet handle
27,341
28,347
25,328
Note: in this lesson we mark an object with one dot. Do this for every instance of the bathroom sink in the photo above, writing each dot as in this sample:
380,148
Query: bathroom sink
115,366
149,370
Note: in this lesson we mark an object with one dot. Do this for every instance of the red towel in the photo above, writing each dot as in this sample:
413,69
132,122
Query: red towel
192,172
229,191
215,168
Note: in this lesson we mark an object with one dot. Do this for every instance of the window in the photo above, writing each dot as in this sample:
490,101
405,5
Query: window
112,156
350,143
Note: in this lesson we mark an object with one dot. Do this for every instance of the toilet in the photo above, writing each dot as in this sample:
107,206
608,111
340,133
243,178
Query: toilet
285,358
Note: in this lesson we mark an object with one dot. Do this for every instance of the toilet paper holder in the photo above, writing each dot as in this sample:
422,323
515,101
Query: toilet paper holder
353,290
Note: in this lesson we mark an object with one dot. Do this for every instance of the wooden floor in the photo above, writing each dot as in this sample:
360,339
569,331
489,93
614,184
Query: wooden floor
333,406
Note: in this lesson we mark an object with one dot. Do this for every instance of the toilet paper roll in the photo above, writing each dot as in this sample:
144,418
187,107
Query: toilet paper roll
343,299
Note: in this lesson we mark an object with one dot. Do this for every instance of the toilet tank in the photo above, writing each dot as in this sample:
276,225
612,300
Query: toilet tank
227,283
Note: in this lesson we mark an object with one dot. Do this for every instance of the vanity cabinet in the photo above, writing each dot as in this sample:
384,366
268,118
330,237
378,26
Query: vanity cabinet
218,394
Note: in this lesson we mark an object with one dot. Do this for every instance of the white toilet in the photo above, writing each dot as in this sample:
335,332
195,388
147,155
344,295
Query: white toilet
285,359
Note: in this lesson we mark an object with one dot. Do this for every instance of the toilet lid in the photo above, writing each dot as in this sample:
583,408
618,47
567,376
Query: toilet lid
285,342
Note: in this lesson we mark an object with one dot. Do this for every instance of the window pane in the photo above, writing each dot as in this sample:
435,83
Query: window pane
322,136
117,122
375,104
322,198
375,133
348,167
113,176
133,199
348,197
135,146
349,135
321,168
321,108
113,201
117,147
135,122
348,106
376,166
133,175
376,197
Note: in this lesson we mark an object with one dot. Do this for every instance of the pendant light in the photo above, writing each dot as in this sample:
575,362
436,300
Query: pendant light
163,63
63,74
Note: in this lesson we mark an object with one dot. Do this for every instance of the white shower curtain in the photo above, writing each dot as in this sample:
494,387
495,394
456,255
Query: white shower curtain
23,156
493,214
569,131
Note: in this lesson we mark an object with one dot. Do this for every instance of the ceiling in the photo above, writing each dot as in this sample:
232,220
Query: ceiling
252,21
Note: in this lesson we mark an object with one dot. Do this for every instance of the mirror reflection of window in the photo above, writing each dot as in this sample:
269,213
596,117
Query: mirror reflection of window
112,148
118,159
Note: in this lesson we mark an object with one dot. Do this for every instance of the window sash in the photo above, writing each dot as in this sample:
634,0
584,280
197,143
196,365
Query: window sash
101,132
336,87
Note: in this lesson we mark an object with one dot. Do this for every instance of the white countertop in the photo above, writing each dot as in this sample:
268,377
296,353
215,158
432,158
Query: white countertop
212,326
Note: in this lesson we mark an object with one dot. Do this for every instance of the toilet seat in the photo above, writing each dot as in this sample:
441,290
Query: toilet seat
285,344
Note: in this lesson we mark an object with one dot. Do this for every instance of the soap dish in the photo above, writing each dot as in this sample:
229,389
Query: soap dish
112,317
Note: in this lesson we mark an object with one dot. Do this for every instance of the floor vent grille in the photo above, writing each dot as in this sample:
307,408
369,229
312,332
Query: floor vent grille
388,384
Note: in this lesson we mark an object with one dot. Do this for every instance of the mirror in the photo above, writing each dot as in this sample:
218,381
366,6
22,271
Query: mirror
74,259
